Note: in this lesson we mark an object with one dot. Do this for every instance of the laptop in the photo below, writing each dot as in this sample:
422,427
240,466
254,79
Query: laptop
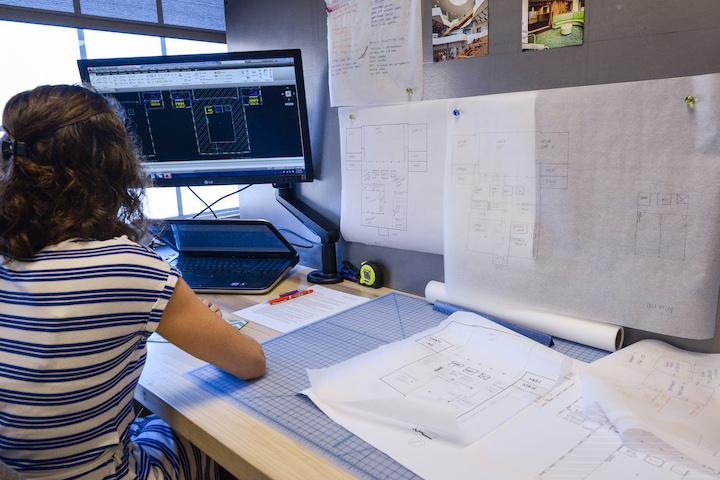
227,255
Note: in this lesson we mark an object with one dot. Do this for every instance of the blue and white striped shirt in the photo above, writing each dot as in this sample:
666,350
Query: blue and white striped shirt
74,321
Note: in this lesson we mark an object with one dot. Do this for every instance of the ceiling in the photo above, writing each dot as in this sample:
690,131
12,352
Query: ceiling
454,8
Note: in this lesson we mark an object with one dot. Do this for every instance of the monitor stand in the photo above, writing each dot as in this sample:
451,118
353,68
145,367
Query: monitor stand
320,226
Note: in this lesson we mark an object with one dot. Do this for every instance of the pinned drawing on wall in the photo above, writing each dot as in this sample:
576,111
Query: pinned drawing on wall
374,51
552,24
459,29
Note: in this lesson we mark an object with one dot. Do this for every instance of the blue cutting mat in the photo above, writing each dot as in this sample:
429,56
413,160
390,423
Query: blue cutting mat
275,398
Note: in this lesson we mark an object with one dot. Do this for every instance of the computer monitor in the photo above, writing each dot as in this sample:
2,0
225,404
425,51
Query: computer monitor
213,119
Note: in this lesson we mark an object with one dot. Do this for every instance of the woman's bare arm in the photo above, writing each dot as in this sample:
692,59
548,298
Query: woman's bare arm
199,331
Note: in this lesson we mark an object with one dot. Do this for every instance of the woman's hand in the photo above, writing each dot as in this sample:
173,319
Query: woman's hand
213,308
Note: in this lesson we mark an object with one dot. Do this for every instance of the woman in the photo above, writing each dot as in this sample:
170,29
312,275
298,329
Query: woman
79,298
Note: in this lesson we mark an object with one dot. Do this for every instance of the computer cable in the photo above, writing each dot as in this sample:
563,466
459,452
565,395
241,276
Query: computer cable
349,272
209,207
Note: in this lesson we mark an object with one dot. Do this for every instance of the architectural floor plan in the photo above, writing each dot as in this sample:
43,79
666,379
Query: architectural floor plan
392,158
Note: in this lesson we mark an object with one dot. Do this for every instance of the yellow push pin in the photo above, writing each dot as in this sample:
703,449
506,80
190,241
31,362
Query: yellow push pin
352,116
690,101
409,91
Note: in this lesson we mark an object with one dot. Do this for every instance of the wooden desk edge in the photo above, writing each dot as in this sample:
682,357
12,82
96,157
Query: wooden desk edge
282,457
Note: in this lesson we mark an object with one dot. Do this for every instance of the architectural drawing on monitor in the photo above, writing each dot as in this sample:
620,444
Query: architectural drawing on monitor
601,455
454,375
385,155
661,225
219,118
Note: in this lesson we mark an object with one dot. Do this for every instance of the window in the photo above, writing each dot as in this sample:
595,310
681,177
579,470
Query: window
139,10
194,19
56,5
50,58
100,44
176,46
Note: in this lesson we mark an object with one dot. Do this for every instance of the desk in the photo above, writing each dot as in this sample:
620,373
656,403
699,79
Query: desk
242,444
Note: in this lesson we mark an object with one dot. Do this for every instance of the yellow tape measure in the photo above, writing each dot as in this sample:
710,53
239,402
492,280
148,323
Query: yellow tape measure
370,275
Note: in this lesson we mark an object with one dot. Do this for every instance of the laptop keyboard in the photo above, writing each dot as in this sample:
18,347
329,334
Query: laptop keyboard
231,265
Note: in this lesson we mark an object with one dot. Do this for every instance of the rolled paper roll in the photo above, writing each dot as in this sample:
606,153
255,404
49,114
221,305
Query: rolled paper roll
604,336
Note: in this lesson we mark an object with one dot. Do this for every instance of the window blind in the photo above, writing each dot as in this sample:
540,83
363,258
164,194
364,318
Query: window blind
191,19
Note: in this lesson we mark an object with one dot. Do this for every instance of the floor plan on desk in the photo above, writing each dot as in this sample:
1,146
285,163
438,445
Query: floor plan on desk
459,381
516,405
481,394
552,440
601,455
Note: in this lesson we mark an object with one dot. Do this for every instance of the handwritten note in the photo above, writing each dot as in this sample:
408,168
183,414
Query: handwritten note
374,51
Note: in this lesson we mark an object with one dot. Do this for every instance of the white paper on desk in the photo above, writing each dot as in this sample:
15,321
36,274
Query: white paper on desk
374,51
661,399
552,440
393,161
458,381
590,202
298,312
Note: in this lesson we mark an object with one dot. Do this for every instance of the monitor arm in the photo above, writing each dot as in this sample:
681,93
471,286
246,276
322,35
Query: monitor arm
320,226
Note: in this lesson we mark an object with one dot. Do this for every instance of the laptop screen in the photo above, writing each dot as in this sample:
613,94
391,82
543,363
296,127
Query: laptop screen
227,237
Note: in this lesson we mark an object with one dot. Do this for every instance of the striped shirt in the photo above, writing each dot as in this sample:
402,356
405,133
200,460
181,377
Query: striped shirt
74,322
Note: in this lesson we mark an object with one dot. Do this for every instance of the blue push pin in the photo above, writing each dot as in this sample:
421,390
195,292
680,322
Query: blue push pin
456,112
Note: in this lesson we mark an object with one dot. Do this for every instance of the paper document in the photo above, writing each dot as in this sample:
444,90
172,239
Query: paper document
458,381
554,439
661,399
374,51
583,202
393,161
297,312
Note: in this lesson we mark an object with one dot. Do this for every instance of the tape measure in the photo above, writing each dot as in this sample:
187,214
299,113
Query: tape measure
370,275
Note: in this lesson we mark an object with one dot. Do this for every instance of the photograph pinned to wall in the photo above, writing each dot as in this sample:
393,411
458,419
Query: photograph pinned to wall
459,29
552,24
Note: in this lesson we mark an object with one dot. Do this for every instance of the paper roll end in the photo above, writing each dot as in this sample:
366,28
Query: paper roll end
619,338
434,291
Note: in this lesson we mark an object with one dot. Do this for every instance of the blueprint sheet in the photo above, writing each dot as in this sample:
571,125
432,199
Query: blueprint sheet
458,381
661,399
393,161
554,439
592,202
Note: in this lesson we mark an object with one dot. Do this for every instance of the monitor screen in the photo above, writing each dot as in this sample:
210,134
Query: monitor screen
213,119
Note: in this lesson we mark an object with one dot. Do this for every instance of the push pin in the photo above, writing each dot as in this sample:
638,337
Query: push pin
456,112
409,91
690,101
352,116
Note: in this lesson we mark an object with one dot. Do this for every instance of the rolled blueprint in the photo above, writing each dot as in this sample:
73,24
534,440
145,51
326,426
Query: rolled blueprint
604,336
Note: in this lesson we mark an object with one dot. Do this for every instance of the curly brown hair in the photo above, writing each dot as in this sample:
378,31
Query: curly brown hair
81,177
